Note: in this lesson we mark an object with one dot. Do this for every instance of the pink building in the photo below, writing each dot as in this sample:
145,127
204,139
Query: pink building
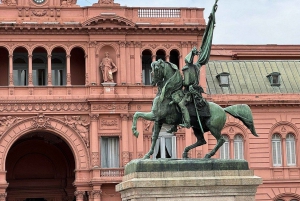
66,135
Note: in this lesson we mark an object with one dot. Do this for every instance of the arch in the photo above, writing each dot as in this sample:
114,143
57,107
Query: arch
283,128
47,124
244,132
33,48
27,48
67,51
78,46
175,57
8,48
113,45
113,19
161,54
288,194
148,48
78,66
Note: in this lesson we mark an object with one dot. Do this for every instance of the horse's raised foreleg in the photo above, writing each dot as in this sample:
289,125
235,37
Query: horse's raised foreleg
200,141
155,134
145,115
220,141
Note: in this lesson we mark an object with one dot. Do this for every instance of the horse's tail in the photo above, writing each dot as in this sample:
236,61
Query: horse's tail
243,113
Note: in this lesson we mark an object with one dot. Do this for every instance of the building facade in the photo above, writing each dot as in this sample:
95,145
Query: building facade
65,133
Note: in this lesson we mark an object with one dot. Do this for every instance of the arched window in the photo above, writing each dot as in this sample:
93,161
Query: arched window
238,147
290,150
224,150
276,150
146,66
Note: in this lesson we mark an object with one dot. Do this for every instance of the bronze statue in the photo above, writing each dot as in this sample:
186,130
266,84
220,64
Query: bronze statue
180,102
108,67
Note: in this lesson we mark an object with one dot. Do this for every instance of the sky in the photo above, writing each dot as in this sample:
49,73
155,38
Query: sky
240,21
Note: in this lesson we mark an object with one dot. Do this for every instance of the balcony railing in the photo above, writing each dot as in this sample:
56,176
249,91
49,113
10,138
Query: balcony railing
159,13
112,172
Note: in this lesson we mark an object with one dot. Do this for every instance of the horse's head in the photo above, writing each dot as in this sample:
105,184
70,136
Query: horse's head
157,73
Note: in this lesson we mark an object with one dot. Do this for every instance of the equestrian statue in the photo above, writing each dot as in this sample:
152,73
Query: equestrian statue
179,100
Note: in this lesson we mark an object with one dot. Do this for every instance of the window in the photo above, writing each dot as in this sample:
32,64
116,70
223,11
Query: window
223,79
276,150
20,70
110,152
274,78
146,66
165,147
238,147
290,150
224,150
58,71
39,70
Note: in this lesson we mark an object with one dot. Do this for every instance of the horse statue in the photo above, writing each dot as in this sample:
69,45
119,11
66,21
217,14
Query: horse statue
167,76
188,110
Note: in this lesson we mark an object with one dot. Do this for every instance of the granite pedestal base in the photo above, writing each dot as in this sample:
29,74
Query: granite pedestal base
188,180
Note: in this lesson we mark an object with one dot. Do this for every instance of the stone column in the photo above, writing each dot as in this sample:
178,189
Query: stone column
125,146
153,58
79,195
30,70
49,70
68,56
93,65
127,63
11,73
168,58
138,63
94,139
86,70
122,69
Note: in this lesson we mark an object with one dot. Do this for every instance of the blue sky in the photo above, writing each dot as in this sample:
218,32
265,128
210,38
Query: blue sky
240,21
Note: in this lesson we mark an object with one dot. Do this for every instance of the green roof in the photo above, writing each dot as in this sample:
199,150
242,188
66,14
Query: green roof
250,77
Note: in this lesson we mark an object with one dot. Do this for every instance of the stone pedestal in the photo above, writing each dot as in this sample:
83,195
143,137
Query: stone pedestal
109,87
188,180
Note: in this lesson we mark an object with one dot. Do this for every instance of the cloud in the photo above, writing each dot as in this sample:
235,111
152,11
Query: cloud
240,21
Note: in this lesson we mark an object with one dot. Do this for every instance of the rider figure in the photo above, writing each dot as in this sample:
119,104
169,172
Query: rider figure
192,90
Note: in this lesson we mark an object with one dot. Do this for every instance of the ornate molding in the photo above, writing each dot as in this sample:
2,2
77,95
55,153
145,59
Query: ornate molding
147,125
109,107
95,159
109,122
42,107
125,157
39,13
106,1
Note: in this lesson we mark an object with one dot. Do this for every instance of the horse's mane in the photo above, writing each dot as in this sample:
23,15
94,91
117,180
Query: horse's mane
173,84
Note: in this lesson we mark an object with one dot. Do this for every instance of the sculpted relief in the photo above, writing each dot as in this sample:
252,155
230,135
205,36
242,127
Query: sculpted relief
6,122
80,126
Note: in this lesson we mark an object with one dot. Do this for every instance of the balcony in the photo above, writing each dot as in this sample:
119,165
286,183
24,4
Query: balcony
111,172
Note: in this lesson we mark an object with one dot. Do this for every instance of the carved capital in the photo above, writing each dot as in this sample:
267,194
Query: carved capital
93,44
49,55
96,193
79,194
68,56
124,117
122,43
94,117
